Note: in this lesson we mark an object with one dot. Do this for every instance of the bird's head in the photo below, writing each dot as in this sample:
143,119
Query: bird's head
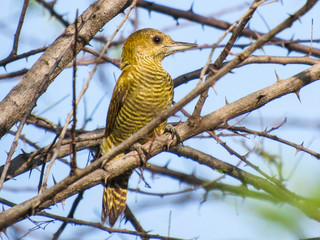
150,45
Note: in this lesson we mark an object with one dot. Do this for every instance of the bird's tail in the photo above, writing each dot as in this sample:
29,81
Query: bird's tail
115,197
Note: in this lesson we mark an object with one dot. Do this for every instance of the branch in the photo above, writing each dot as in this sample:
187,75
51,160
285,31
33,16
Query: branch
69,186
250,60
54,60
209,21
309,207
266,134
185,130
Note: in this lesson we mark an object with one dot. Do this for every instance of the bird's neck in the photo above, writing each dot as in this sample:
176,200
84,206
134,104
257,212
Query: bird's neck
149,73
146,62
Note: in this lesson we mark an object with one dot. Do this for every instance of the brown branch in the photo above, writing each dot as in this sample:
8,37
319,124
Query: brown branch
12,58
107,229
209,21
70,186
94,224
250,60
130,217
75,204
49,7
236,31
266,134
73,162
185,131
244,45
25,162
309,207
54,60
19,27
208,186
13,74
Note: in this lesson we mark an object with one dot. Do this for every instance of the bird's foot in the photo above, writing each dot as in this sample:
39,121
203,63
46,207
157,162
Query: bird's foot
142,153
175,136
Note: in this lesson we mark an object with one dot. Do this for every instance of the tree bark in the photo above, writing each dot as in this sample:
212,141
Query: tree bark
24,95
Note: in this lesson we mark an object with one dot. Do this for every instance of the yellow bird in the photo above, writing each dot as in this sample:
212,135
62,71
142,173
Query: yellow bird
143,90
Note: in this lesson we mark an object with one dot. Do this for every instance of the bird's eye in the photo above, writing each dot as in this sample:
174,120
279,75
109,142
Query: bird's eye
157,39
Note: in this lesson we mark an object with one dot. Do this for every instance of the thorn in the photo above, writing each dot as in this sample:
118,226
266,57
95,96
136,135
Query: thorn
54,180
194,172
298,96
63,203
191,7
292,16
202,26
177,21
226,100
292,37
285,120
277,76
297,151
30,173
265,130
167,164
205,196
214,89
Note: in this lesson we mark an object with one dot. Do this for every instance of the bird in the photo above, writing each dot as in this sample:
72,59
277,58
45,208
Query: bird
143,90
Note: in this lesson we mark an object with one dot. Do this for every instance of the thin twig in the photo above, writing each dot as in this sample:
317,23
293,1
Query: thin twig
19,27
126,162
236,31
209,21
73,162
75,204
298,147
85,87
130,217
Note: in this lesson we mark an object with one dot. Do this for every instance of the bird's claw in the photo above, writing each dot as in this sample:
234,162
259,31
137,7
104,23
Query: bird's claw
142,153
175,136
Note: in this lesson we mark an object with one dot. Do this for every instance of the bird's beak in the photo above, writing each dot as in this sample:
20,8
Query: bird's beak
179,46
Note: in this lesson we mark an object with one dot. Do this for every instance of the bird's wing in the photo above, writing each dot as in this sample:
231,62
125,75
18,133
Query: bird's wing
118,97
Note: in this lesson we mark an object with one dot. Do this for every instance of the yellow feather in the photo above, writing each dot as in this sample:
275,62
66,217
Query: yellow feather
143,90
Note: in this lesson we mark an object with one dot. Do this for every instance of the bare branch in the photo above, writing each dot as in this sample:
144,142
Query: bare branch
175,13
53,61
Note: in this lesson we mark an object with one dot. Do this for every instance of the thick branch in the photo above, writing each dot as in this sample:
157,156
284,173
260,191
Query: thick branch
185,131
24,95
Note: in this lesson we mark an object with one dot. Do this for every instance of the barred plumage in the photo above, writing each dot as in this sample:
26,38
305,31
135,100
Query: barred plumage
143,90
